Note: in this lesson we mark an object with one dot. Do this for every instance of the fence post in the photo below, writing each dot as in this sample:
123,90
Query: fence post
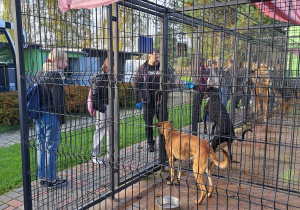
111,95
248,95
117,105
163,112
24,132
235,72
219,55
196,96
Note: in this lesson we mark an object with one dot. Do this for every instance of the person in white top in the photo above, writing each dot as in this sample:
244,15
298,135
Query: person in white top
213,80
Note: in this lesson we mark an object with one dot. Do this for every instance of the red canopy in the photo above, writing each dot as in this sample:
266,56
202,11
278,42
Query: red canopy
285,10
64,5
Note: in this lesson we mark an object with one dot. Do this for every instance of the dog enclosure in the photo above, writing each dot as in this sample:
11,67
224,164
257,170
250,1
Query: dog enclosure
261,93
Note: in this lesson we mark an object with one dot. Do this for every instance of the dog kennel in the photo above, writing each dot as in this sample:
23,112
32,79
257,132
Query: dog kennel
260,37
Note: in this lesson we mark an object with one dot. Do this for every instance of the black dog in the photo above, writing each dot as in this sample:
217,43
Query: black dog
219,115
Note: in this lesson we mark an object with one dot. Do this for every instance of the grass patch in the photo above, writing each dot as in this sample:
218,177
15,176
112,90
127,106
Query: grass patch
186,78
75,147
11,168
8,128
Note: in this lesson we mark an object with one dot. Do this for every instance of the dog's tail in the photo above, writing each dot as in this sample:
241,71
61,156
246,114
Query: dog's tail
214,158
245,131
243,135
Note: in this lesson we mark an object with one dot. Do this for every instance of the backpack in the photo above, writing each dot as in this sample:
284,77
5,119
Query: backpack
33,102
90,104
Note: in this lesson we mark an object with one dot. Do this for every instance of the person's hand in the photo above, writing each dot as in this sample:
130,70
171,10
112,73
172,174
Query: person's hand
139,106
188,84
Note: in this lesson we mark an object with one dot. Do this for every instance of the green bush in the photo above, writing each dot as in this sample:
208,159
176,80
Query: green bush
76,101
126,96
76,98
9,108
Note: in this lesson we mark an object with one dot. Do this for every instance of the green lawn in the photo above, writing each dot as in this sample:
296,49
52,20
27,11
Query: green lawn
10,168
74,146
9,128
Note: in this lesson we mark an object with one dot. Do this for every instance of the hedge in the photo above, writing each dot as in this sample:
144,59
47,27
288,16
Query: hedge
9,108
76,97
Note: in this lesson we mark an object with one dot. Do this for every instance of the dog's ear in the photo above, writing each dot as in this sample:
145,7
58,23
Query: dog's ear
157,124
171,121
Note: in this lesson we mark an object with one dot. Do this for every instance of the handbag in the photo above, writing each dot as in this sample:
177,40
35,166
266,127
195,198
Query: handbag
90,104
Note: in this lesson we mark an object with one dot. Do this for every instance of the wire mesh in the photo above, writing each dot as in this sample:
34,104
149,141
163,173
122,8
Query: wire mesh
167,57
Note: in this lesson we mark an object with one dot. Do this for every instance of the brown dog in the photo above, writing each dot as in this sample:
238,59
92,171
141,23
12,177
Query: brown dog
287,93
183,146
262,85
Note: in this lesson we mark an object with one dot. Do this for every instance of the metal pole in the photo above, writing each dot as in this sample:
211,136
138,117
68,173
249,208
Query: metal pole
234,74
196,96
219,53
163,112
117,105
111,95
249,79
24,132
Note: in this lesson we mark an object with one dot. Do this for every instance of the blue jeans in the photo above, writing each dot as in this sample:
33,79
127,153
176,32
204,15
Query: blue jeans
48,138
225,95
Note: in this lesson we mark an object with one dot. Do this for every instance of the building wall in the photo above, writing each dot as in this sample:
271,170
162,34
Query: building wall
294,42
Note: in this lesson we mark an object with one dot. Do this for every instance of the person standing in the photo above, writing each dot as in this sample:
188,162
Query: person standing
226,83
53,115
197,98
100,103
213,80
146,92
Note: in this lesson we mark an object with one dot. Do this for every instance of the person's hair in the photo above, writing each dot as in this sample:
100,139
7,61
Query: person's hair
231,61
104,67
214,62
155,50
54,56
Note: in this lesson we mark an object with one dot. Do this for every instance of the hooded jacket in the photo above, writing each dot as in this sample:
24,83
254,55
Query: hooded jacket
100,92
142,81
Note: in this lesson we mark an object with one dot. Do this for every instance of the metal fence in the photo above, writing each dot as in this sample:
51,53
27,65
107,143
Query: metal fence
255,67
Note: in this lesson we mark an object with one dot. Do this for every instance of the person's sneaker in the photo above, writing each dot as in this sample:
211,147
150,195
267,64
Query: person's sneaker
151,148
96,160
54,184
42,182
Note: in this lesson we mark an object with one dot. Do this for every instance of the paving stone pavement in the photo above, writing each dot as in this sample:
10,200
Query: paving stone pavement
81,180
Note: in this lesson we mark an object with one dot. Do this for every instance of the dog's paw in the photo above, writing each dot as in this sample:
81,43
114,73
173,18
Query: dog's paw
209,195
170,183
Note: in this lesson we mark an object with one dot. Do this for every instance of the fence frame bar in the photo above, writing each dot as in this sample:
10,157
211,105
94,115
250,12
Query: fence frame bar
24,129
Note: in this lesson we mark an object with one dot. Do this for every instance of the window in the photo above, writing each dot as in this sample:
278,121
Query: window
6,54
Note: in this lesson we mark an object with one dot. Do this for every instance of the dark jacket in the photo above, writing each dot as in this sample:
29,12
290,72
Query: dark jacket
226,77
203,76
141,83
100,92
52,93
